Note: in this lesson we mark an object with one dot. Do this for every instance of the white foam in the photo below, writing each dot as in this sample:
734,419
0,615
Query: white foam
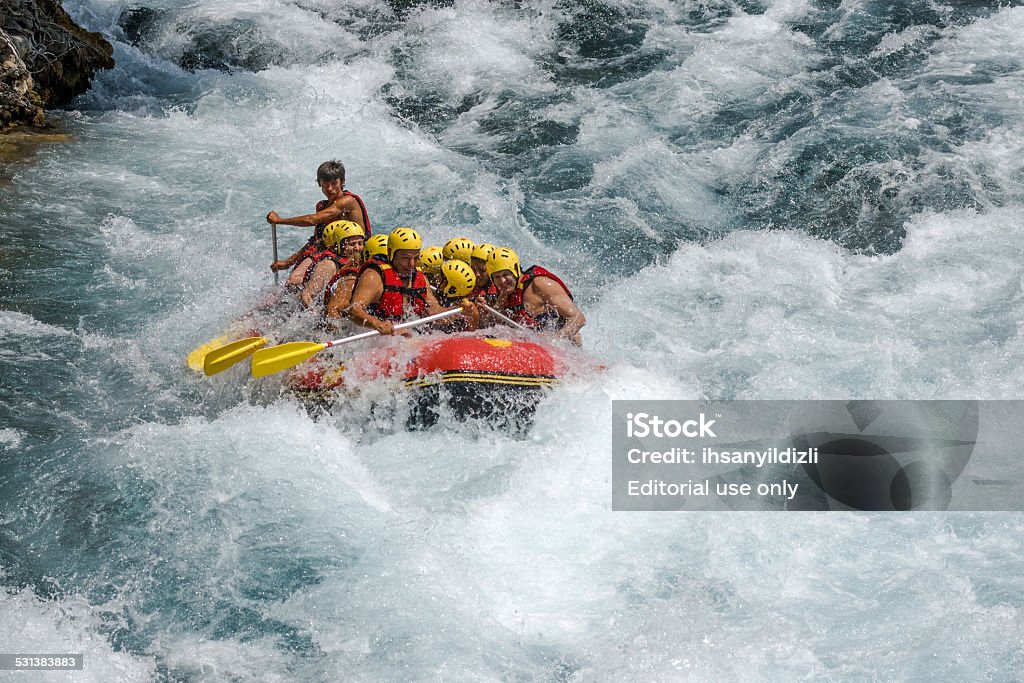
780,314
477,47
462,554
253,446
219,660
990,38
66,626
14,324
11,438
893,43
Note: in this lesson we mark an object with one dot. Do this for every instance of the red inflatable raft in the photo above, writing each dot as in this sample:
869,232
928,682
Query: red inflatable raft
471,376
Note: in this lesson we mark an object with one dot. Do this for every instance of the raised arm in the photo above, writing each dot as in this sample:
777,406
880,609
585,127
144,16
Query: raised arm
345,208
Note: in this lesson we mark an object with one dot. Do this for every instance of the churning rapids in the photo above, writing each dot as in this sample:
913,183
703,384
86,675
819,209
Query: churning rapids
751,199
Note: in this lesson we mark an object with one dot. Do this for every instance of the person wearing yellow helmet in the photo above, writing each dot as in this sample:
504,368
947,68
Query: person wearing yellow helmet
340,204
431,260
456,283
460,248
338,291
349,237
376,248
340,239
536,297
387,293
485,289
338,294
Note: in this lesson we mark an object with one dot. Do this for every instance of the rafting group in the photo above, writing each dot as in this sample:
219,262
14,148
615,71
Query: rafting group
380,281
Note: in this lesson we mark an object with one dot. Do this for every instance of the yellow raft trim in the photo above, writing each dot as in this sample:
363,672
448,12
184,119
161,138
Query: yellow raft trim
485,378
455,376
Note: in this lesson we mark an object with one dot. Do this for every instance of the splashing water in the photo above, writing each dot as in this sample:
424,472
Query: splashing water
750,199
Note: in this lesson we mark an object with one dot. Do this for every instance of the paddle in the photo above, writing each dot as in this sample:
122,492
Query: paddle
273,234
195,358
223,358
504,317
492,311
268,361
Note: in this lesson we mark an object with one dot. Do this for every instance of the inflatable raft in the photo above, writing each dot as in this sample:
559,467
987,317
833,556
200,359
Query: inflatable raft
498,380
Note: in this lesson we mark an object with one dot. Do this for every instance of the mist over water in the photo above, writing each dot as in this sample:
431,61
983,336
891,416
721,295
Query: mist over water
749,199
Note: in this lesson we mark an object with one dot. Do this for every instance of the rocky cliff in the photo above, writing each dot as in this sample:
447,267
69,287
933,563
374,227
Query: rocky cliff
45,59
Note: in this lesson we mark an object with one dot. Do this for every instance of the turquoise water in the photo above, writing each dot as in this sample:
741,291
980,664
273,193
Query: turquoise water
758,200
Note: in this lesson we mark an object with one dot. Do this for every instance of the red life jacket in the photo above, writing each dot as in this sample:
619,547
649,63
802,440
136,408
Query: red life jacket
379,259
488,294
362,207
516,310
318,230
350,270
321,255
391,305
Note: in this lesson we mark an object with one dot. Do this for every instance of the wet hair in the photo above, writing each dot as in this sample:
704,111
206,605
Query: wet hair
330,170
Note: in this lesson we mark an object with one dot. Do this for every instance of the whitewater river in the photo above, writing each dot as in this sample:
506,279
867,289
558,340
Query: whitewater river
750,199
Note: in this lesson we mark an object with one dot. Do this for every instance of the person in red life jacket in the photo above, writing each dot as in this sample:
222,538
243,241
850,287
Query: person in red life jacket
353,243
341,240
457,283
536,298
338,295
388,293
460,248
376,249
340,204
485,289
431,260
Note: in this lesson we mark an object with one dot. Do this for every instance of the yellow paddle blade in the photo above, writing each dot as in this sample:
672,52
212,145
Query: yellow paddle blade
229,354
195,359
275,359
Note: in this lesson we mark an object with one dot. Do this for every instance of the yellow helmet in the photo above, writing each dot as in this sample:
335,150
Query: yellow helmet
337,231
460,248
459,279
482,251
431,260
403,238
375,246
501,259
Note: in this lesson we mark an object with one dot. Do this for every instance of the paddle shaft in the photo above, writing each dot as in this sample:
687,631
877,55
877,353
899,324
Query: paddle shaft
273,235
400,326
495,313
268,361
504,317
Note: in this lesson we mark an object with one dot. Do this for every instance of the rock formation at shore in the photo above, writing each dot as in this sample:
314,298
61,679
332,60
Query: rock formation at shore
46,59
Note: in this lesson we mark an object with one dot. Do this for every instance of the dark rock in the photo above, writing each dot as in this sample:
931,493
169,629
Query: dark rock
140,24
46,59
234,44
18,102
199,43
